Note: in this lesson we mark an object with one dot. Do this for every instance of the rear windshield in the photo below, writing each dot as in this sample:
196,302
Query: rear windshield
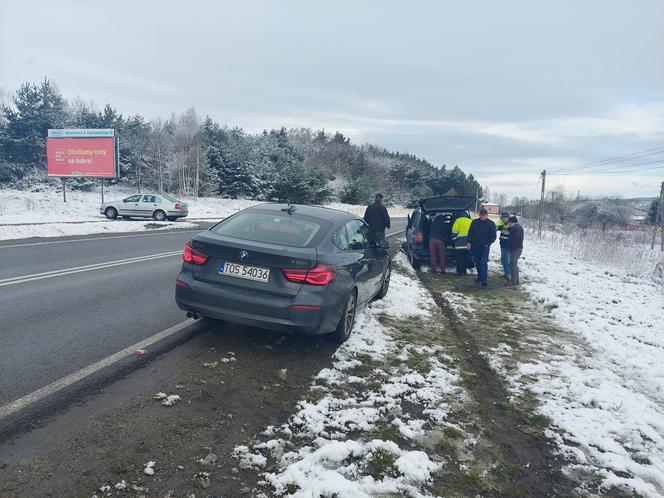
169,197
285,230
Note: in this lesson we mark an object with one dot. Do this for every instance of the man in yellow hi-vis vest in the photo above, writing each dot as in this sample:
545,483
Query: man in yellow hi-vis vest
459,237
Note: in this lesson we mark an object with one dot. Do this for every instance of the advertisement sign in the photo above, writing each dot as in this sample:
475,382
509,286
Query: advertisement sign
83,152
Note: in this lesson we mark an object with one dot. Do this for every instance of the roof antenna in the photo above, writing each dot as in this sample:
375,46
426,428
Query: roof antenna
290,209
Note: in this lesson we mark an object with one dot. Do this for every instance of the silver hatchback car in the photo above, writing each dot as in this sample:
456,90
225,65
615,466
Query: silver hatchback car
159,207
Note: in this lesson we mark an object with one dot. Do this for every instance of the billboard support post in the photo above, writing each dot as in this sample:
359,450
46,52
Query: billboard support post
102,190
64,189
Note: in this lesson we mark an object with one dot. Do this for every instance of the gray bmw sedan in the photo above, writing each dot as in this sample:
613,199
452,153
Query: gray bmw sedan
285,267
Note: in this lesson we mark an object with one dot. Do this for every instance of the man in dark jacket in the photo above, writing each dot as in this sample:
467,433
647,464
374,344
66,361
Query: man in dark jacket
516,248
481,235
504,229
377,217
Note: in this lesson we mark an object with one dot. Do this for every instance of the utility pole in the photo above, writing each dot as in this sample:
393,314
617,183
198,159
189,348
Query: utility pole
541,206
659,214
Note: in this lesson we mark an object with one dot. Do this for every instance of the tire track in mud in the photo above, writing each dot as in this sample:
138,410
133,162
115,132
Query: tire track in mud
528,465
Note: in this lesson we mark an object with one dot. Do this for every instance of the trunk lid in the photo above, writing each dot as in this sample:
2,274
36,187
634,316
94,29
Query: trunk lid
447,203
258,254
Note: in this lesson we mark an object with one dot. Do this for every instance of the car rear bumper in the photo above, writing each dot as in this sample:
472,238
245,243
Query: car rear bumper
180,214
309,313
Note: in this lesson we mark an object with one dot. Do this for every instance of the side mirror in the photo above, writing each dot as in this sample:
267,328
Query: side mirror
383,244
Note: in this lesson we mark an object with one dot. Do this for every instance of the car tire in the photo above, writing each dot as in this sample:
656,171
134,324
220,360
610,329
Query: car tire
171,218
159,215
386,284
347,319
111,213
415,263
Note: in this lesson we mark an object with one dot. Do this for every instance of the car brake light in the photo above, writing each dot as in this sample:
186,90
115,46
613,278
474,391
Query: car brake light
178,205
318,275
191,255
419,237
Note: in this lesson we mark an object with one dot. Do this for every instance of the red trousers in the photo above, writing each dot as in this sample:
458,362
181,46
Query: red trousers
437,254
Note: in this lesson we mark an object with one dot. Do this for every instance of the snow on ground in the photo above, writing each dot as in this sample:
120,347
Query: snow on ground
604,392
69,230
335,445
20,208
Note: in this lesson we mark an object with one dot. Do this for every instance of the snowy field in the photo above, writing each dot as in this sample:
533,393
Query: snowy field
44,214
605,392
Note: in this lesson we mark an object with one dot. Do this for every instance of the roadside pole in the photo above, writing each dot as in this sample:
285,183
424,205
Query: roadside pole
659,214
540,221
64,189
102,190
660,211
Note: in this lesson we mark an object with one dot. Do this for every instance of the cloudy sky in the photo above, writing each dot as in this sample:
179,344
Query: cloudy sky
502,88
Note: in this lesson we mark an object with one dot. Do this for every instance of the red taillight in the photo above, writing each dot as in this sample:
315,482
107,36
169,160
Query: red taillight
419,237
178,205
191,255
318,275
180,283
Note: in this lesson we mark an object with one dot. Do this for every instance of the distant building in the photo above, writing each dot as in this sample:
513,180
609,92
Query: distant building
491,207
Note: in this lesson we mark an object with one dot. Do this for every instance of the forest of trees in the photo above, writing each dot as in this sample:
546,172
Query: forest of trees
193,156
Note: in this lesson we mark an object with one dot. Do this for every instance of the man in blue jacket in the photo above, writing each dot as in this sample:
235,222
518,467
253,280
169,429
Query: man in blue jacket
481,235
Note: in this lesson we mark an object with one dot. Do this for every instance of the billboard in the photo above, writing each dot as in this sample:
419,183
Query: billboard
82,152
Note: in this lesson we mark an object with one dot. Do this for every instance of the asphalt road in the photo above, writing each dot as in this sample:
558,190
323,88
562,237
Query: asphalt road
53,326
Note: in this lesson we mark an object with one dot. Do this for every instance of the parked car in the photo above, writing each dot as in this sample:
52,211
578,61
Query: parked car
416,245
288,268
159,207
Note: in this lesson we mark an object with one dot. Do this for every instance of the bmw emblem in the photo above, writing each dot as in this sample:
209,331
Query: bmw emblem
244,255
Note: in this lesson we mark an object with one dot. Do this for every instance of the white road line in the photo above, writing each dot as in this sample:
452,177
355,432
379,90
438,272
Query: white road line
396,233
79,269
173,232
60,384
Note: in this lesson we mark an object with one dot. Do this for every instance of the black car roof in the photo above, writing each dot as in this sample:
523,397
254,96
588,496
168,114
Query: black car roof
321,212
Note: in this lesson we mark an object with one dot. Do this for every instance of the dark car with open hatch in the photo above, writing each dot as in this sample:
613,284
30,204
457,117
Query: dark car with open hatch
284,267
451,207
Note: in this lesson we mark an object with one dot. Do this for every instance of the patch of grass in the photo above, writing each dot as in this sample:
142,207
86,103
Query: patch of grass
388,432
509,470
539,420
120,468
597,480
641,459
178,429
452,432
292,488
383,463
418,362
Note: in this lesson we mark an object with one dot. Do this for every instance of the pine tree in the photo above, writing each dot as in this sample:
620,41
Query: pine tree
35,109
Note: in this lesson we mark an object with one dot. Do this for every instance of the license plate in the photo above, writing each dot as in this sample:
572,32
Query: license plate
246,272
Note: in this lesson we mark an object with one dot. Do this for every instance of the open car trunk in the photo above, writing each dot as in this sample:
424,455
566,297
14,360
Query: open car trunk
447,203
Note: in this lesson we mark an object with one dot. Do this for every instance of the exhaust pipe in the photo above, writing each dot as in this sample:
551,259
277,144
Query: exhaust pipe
193,314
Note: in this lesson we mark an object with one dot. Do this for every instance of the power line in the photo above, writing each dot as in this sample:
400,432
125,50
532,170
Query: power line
636,167
632,170
615,159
